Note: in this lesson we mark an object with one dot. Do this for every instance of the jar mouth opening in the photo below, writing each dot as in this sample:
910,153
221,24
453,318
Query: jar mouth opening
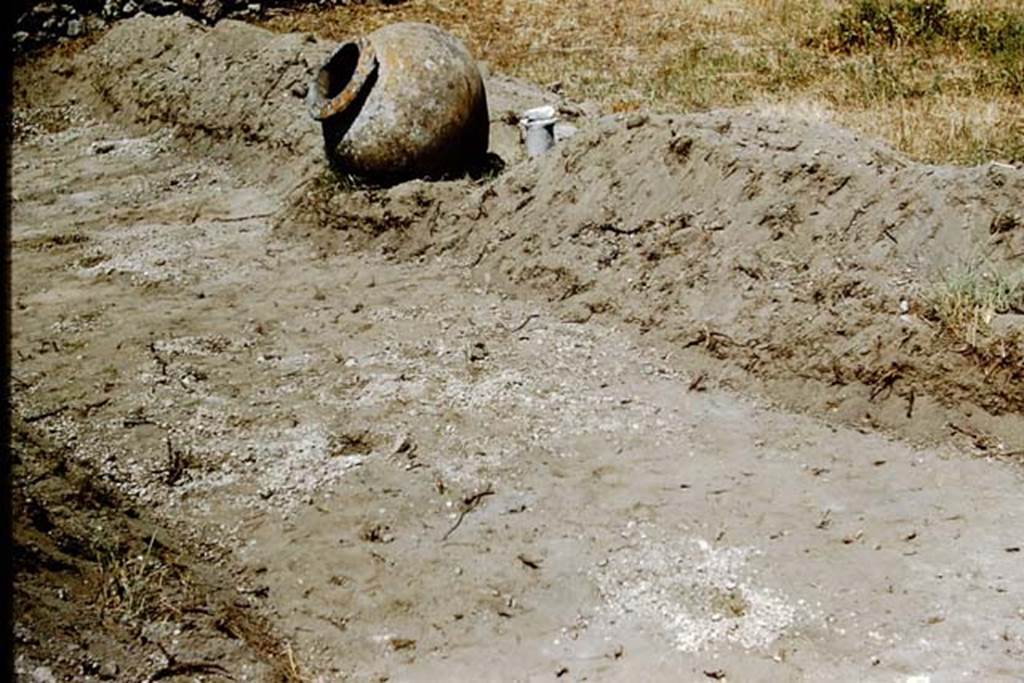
538,123
341,79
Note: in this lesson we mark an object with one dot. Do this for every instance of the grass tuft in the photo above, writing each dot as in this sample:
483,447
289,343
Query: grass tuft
865,24
131,584
968,298
994,35
872,23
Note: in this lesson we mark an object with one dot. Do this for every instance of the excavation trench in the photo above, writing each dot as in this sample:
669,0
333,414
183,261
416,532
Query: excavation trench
516,425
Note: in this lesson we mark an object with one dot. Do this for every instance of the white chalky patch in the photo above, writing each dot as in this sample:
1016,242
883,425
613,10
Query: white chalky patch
697,594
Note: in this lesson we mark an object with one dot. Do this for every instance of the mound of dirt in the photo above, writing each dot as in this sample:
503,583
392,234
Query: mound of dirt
797,253
232,87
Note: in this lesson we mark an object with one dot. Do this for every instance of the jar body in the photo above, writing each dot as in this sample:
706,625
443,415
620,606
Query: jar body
405,101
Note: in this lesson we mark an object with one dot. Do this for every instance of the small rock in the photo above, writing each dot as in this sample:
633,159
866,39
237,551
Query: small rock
23,635
299,90
160,7
44,9
564,131
62,69
211,10
1007,324
108,670
75,28
102,147
636,120
577,312
572,111
477,352
403,644
94,24
114,9
42,674
402,444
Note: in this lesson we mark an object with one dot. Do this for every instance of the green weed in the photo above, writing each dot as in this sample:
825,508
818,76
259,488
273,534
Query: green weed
966,300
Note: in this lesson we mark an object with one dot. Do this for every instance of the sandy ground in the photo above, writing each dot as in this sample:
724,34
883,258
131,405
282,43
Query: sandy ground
414,471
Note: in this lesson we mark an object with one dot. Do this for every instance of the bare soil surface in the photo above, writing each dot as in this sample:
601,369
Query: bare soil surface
645,409
105,590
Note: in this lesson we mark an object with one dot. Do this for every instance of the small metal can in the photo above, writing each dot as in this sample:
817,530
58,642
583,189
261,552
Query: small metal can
538,126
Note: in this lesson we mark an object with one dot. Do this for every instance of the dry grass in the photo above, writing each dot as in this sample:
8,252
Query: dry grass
966,301
131,584
949,93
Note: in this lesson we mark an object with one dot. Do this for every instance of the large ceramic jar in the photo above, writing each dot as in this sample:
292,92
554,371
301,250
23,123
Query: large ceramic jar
404,101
